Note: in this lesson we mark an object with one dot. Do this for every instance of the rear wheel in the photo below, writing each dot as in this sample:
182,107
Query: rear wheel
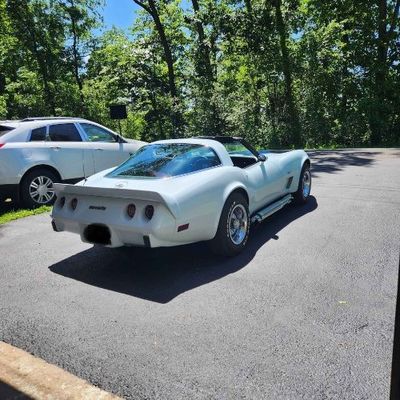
37,188
304,188
233,228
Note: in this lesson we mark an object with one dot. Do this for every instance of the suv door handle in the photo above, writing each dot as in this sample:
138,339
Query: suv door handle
100,149
55,147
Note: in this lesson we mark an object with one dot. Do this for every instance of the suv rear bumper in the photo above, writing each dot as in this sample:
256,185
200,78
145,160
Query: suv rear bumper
9,191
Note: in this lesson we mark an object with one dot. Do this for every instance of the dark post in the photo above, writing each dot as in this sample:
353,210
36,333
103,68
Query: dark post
395,381
118,112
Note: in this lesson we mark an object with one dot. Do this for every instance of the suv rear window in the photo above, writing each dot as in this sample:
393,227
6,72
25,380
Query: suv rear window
64,133
5,129
38,134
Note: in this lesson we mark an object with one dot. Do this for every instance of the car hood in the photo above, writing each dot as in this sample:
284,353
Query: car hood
139,142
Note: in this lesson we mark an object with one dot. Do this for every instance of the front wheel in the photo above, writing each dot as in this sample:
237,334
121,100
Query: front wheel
37,188
303,191
233,227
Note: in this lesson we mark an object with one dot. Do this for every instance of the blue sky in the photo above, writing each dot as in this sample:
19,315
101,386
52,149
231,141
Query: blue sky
119,13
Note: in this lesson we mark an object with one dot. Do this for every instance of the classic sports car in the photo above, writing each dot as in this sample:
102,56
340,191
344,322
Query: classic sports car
174,192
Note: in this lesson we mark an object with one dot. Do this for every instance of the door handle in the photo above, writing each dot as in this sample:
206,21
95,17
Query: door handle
55,147
99,149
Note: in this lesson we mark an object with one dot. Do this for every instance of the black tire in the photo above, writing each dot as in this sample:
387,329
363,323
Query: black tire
301,196
223,243
28,197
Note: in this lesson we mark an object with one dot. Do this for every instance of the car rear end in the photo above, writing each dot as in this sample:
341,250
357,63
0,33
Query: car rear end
115,217
10,159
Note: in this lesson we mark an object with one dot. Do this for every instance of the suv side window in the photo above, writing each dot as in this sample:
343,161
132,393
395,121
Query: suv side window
64,133
97,134
38,134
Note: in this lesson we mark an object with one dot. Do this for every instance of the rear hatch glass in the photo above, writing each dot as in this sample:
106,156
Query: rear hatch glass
5,129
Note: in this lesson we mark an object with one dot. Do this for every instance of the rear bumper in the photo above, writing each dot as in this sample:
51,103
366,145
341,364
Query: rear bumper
103,220
107,218
119,235
9,191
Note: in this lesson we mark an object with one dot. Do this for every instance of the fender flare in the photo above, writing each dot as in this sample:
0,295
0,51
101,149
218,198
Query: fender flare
229,189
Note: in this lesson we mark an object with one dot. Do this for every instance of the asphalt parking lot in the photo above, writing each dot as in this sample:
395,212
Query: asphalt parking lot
306,312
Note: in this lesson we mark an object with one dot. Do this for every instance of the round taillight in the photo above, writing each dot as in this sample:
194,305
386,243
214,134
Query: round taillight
61,203
149,212
74,203
130,210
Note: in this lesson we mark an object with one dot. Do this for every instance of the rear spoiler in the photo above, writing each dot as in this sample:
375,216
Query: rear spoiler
133,194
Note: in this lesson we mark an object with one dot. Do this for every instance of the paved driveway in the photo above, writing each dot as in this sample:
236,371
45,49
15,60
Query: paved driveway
306,312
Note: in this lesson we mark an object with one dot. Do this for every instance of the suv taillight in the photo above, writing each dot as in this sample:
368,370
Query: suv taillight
1,145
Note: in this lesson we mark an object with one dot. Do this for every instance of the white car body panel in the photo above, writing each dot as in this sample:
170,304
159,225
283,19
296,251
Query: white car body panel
72,160
195,198
111,154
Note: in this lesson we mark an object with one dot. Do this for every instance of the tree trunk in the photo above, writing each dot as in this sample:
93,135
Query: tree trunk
204,70
75,56
249,7
176,116
253,67
378,117
204,63
43,72
287,73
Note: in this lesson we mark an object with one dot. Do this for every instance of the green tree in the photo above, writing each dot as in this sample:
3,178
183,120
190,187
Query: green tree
154,11
39,31
80,18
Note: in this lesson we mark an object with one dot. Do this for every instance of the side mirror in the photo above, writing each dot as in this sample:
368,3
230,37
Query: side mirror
262,158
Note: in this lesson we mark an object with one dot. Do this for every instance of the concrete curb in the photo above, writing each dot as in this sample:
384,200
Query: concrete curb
36,379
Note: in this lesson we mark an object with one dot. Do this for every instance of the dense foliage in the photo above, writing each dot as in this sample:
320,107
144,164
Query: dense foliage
280,72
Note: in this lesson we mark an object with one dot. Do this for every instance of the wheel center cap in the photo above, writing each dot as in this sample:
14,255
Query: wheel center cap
236,224
42,190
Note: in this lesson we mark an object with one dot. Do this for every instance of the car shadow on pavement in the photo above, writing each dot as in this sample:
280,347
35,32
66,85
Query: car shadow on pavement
6,207
333,161
161,274
8,392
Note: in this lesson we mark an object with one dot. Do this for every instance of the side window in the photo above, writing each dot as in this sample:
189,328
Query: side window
64,133
38,134
236,148
206,157
97,134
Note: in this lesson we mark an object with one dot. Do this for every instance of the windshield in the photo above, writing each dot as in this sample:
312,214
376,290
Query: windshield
162,160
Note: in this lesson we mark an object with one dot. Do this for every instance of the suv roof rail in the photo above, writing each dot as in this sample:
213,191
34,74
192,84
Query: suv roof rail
46,118
221,139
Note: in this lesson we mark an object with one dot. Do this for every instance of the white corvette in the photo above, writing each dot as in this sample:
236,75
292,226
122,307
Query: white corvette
180,191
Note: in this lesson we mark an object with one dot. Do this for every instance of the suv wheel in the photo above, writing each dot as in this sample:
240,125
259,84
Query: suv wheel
37,188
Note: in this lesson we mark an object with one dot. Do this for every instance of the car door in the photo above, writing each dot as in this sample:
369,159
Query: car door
265,179
108,150
72,157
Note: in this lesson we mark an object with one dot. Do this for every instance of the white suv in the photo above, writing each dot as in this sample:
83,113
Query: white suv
35,152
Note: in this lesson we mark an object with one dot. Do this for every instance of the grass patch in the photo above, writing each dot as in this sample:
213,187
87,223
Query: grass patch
16,214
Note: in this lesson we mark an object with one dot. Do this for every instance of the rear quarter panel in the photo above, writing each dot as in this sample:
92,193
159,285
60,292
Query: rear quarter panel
17,158
201,198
